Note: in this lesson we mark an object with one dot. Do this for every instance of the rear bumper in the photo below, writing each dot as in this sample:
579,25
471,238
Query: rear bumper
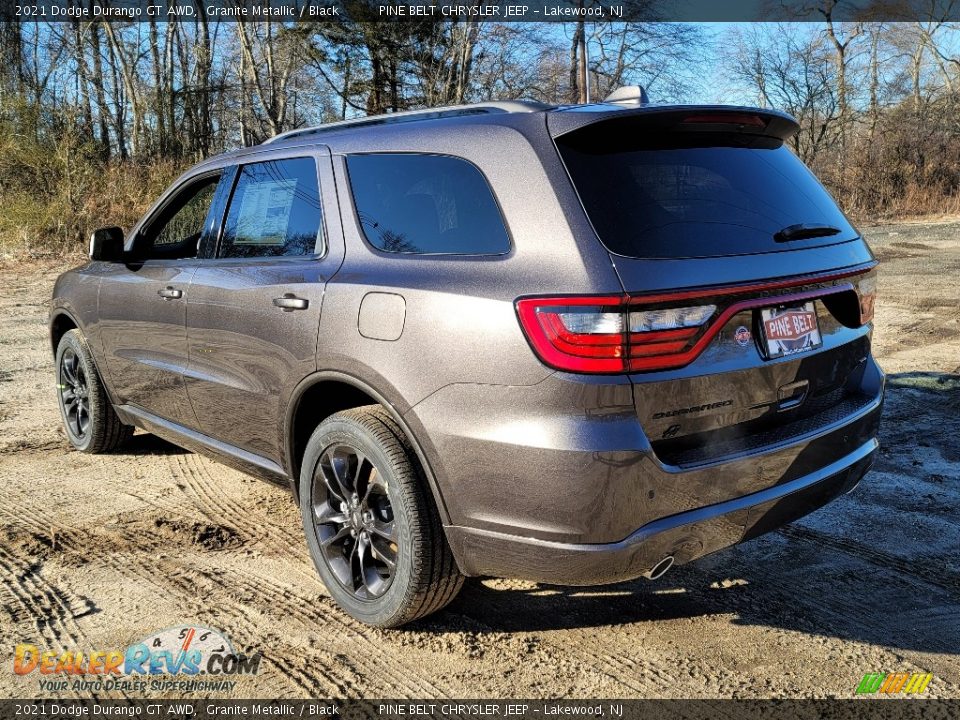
685,536
558,483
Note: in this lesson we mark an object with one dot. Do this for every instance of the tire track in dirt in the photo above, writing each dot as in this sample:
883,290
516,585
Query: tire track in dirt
932,572
616,668
831,606
284,600
583,646
170,580
217,507
46,605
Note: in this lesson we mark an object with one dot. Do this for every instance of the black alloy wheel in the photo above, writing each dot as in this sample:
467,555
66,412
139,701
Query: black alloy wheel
371,524
354,521
74,394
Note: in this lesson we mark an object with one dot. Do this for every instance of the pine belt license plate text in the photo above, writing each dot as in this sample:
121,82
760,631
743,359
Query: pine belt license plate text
790,329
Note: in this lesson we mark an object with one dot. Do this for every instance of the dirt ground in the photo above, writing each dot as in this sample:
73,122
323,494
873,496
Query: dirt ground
99,551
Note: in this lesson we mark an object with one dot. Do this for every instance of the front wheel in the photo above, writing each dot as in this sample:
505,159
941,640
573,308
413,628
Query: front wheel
371,526
89,419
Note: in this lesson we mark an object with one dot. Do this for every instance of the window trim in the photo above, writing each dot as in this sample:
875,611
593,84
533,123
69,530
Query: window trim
319,253
140,231
431,255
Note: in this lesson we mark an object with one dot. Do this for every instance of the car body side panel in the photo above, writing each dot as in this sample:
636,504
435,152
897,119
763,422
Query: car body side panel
246,354
76,295
144,335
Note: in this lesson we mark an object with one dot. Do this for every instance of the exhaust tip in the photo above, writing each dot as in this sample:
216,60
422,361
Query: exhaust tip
660,569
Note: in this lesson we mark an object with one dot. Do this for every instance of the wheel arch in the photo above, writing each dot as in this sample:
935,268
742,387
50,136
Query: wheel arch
336,391
62,321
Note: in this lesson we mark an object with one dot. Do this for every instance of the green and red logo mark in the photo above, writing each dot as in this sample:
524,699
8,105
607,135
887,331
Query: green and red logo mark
893,683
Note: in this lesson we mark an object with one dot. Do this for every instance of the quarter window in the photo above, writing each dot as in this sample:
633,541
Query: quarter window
428,204
274,211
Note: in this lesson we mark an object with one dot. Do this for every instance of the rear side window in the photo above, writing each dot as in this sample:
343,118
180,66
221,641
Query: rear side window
274,210
704,195
428,204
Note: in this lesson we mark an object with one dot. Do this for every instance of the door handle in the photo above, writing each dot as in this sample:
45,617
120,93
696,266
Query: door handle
290,302
170,293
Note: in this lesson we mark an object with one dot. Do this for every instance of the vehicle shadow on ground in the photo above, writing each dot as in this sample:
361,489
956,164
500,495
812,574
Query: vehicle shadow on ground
144,443
789,592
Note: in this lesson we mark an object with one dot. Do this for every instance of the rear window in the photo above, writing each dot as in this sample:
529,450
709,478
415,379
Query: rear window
427,204
696,195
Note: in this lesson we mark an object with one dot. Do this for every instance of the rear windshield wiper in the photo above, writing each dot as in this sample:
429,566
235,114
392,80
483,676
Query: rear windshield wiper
805,232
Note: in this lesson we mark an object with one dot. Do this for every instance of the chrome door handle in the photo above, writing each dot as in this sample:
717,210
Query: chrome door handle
290,302
170,293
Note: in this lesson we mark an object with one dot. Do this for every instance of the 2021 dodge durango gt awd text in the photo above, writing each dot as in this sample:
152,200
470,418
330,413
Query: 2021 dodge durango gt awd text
574,345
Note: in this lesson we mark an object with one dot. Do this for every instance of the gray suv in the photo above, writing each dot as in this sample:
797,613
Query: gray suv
575,345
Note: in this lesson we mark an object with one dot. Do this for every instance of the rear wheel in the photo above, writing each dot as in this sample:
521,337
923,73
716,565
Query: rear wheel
89,419
372,529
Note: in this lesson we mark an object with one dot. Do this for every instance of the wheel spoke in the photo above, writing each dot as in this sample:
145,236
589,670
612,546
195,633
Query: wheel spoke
386,530
388,558
341,565
325,514
330,476
342,534
343,464
68,365
374,480
370,578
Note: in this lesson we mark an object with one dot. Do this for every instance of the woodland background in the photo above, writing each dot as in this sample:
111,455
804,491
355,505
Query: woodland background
97,118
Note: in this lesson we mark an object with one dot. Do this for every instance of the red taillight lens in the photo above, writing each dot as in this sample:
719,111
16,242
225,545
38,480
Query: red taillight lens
620,333
867,292
583,334
607,334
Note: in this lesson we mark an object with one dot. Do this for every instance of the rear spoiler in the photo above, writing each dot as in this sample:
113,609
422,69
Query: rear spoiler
666,118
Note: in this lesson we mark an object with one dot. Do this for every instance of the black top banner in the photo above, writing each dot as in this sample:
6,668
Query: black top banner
596,11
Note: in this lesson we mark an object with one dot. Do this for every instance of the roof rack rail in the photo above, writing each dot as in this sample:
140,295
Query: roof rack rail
502,106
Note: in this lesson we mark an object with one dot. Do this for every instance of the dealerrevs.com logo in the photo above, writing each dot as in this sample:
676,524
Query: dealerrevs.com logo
182,650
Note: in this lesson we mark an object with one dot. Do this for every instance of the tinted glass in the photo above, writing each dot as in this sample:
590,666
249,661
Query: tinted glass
426,204
275,210
683,196
185,225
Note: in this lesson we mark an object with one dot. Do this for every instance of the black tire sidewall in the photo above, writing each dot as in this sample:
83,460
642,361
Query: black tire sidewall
385,610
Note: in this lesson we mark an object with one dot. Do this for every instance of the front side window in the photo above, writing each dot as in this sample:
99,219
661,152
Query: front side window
426,204
274,211
176,232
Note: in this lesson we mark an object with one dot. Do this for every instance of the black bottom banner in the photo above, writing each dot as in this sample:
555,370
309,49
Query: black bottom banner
887,708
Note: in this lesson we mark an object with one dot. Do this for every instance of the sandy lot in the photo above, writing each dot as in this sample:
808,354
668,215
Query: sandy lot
99,551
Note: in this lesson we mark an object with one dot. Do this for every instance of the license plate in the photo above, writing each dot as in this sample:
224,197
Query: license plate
790,329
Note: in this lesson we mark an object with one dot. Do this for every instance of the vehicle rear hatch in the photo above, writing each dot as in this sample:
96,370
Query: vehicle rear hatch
723,239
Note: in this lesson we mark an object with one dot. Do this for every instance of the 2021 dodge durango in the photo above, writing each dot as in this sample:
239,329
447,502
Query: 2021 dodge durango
574,345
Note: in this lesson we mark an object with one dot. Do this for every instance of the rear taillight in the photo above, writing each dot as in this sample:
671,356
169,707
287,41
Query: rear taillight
624,333
867,293
609,334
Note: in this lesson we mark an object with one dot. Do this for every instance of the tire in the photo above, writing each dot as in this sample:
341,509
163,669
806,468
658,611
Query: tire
364,502
90,422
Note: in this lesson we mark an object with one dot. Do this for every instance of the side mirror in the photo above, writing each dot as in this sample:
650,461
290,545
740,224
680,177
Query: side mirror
107,244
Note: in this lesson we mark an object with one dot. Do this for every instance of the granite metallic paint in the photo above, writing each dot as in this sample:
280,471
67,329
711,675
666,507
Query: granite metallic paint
536,473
